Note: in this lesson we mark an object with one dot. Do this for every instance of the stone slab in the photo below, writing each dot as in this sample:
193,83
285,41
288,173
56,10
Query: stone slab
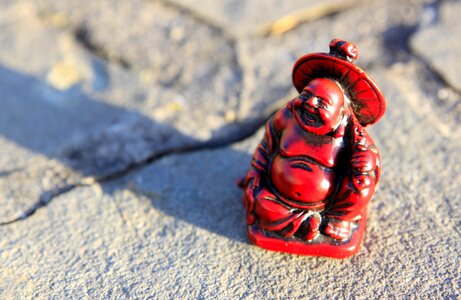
243,18
90,118
438,43
379,29
175,229
161,45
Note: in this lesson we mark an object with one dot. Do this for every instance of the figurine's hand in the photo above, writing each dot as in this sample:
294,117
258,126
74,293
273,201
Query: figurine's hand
313,222
363,161
361,181
252,178
337,229
251,182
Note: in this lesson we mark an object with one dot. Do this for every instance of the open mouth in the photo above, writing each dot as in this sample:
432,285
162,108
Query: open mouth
311,119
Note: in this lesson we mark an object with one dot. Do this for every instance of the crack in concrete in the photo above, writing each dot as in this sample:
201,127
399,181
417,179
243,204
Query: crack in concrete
437,76
400,44
83,36
5,173
43,200
298,18
196,17
276,27
47,197
435,8
429,74
227,37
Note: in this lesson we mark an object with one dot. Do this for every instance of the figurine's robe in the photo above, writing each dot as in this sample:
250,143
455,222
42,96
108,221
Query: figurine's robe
303,173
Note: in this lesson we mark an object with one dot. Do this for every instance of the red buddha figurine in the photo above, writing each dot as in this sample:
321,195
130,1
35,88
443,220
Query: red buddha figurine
316,168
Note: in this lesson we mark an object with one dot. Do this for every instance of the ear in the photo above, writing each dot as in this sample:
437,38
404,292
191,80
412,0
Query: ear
296,102
341,129
290,104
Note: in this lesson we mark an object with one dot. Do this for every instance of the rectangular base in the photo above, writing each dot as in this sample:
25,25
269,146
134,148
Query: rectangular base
322,246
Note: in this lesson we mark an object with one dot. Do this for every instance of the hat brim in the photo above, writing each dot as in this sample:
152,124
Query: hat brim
367,100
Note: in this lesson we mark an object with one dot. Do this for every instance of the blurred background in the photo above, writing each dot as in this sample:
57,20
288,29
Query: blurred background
94,91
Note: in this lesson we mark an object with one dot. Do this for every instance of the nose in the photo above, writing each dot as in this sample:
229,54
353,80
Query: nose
312,102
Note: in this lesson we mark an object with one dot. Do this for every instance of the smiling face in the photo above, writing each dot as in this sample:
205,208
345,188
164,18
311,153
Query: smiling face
318,109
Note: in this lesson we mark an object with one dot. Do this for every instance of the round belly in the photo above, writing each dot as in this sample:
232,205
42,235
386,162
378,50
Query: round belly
301,180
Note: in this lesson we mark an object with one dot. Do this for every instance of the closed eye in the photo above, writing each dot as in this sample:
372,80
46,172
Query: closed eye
321,103
301,166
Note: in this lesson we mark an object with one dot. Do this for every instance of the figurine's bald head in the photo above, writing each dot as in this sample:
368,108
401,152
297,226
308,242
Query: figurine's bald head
320,106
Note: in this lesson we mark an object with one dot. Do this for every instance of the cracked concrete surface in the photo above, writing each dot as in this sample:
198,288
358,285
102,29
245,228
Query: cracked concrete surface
96,118
256,17
443,54
124,125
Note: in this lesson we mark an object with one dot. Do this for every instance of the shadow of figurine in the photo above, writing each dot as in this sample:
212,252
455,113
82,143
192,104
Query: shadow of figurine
103,141
197,188
94,138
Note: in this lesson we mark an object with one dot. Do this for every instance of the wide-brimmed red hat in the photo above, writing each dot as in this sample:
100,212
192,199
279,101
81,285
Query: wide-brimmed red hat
367,100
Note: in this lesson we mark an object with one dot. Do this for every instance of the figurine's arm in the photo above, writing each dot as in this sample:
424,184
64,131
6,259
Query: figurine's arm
357,187
261,161
266,148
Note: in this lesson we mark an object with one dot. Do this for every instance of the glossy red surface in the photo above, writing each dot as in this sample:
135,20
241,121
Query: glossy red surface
316,168
316,248
370,102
